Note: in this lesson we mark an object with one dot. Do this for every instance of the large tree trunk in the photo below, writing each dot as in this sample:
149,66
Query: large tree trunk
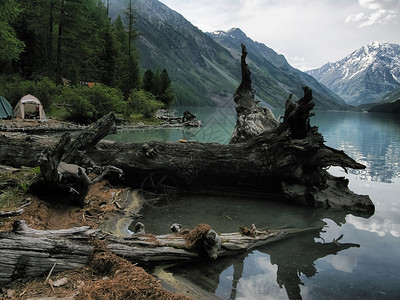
285,160
26,252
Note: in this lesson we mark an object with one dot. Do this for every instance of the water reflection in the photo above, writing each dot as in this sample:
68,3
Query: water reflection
249,275
371,139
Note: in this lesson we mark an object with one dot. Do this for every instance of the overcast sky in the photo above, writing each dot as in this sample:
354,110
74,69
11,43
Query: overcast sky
309,33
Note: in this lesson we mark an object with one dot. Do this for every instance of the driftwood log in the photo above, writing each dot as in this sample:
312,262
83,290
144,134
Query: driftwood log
26,252
286,161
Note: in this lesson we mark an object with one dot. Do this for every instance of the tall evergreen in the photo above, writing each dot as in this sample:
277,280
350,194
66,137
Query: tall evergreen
10,45
129,72
110,57
166,94
148,81
121,34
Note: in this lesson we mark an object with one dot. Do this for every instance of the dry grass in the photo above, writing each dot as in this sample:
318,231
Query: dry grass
106,277
195,237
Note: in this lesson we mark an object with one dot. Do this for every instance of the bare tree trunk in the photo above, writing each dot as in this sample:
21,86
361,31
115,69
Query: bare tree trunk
60,40
28,253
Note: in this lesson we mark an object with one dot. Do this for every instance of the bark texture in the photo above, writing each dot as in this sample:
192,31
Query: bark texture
64,166
27,253
252,119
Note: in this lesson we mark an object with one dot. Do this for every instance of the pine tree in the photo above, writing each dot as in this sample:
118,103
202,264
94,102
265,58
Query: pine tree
148,81
166,94
10,45
110,57
121,34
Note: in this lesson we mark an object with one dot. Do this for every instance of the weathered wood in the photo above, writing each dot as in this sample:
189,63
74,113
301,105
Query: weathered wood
252,119
26,252
272,163
11,213
63,165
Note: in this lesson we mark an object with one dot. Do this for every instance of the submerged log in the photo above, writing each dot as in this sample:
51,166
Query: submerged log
27,253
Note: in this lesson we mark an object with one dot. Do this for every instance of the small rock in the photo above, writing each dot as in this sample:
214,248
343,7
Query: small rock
60,282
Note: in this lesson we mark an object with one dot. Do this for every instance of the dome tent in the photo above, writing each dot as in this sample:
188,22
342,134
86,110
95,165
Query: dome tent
6,111
29,107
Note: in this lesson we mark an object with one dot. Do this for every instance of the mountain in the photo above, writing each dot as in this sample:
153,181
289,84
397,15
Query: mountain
392,107
390,103
391,96
273,77
365,75
204,70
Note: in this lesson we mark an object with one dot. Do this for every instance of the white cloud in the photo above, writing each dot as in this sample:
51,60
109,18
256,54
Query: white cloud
318,31
380,4
342,262
378,224
376,12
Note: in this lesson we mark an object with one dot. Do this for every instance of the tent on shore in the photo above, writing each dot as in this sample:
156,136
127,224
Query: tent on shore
6,111
29,107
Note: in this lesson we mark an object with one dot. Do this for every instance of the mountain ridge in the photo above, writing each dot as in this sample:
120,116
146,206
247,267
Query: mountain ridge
365,75
267,63
204,72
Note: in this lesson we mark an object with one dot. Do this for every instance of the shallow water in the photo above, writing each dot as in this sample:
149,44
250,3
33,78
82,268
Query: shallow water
352,257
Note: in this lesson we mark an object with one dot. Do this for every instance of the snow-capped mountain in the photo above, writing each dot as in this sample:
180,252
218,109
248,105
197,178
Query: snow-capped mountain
365,75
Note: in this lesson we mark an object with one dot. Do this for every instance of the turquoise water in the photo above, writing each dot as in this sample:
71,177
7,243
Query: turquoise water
353,257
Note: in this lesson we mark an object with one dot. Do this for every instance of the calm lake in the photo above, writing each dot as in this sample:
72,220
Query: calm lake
353,257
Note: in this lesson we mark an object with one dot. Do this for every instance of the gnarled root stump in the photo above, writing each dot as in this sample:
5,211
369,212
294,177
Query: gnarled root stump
64,167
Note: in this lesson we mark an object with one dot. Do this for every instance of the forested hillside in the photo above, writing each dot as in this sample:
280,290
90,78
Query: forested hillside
49,44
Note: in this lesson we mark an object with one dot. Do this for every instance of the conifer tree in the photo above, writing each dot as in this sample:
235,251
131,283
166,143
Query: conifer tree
10,45
166,94
110,57
148,81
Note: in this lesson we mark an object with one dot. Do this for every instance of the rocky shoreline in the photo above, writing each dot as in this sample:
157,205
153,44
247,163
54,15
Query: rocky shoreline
54,126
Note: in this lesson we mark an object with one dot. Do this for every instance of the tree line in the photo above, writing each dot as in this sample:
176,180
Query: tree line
48,44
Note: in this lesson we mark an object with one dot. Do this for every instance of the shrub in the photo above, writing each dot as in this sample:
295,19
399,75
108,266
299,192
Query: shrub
45,90
77,107
105,99
14,87
143,102
85,105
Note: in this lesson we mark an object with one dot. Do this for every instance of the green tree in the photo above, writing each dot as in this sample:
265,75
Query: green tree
10,45
110,56
148,81
121,34
165,94
129,73
129,78
132,33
